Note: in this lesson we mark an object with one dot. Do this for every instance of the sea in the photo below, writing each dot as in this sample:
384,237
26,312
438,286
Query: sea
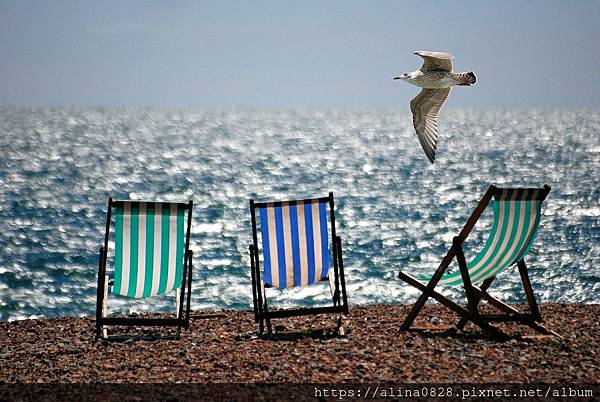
395,211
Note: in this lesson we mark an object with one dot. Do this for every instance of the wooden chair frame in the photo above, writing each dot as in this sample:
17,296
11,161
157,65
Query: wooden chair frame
262,313
476,293
183,294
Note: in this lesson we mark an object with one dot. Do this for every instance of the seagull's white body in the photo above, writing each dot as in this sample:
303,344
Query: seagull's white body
436,78
430,80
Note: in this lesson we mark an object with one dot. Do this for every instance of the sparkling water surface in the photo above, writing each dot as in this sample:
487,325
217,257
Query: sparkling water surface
395,211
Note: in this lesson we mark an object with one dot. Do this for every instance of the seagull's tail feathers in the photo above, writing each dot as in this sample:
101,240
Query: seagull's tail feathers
466,79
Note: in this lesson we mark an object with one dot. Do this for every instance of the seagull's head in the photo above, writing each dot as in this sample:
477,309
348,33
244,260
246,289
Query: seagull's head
403,77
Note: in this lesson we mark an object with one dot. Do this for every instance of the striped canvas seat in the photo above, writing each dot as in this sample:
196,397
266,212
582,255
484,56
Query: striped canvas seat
514,228
299,248
295,243
151,257
149,247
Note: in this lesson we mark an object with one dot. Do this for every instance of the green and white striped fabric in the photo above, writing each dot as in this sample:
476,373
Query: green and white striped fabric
515,226
149,248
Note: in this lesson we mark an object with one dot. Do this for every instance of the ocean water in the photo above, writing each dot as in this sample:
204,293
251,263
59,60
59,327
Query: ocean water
58,166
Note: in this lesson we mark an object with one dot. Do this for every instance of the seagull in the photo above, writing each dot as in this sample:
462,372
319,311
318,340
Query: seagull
436,78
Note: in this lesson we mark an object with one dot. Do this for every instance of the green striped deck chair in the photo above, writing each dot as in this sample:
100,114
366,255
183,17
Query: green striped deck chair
151,257
517,213
295,249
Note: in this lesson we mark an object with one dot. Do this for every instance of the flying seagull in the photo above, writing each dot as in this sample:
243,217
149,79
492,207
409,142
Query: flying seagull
436,78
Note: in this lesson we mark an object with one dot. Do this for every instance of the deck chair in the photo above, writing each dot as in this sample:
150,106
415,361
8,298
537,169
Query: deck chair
295,250
151,257
516,221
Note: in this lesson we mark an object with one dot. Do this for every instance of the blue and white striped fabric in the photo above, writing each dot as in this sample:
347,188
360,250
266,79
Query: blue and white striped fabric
295,243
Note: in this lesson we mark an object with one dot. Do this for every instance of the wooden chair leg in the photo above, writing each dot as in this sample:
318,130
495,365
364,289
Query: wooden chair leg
340,326
332,289
428,290
416,309
269,329
105,307
484,286
335,296
265,310
268,320
255,301
512,311
464,272
462,312
177,301
472,298
100,293
535,312
261,306
344,300
178,310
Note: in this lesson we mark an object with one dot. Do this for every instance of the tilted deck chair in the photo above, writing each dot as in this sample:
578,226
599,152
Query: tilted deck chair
516,220
151,257
296,253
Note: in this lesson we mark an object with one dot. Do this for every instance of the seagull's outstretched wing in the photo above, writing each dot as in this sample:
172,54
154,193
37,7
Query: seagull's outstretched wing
435,61
425,108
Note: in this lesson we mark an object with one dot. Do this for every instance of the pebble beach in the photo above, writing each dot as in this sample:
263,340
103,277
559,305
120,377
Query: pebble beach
224,347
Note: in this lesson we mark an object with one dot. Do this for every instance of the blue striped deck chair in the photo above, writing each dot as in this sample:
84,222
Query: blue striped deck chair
151,257
517,213
296,252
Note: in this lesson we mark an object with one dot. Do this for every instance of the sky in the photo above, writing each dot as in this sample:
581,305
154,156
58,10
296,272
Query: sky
305,54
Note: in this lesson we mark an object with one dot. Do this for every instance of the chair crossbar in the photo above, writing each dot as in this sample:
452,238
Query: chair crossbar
143,322
305,311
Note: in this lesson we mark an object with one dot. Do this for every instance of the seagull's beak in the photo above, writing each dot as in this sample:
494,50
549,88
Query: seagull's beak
397,78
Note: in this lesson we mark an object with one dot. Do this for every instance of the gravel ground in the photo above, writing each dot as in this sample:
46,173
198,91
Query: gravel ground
223,346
